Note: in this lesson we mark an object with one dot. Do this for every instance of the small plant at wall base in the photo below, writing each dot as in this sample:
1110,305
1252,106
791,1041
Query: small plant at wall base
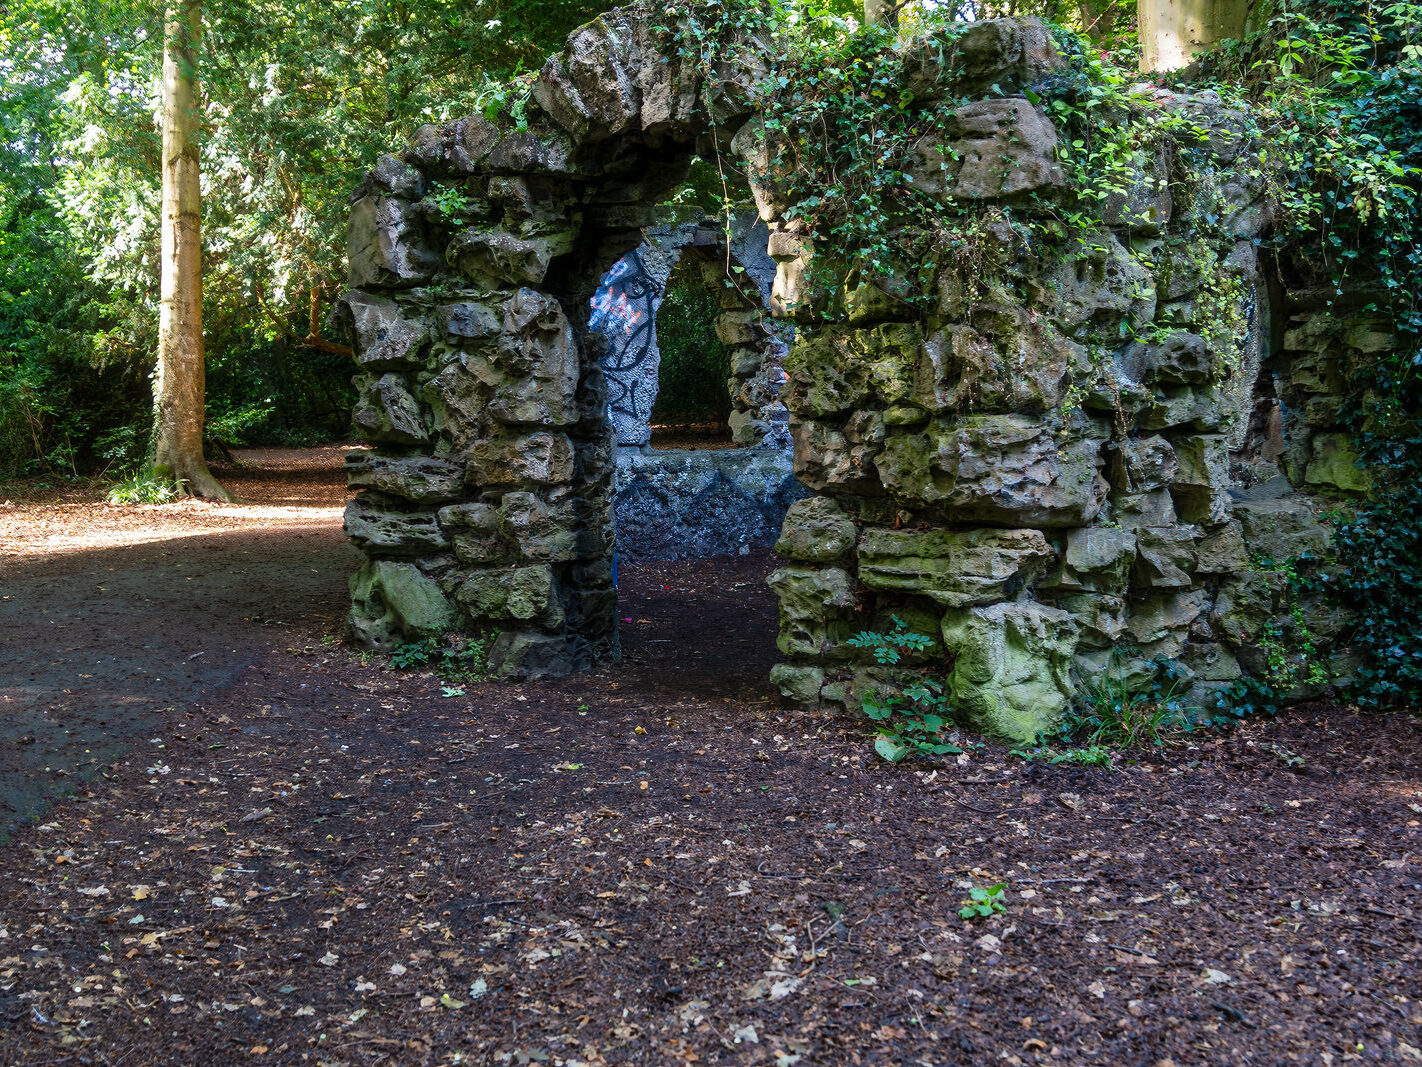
455,659
914,718
1119,710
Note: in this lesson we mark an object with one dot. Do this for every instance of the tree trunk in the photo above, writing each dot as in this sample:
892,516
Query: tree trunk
1098,17
179,388
882,13
1173,31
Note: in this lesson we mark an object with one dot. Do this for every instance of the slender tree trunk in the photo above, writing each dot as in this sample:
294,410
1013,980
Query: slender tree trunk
882,13
1097,18
1173,31
178,390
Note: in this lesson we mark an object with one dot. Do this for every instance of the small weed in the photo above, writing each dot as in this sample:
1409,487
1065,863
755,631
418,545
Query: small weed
1094,756
984,903
1118,710
145,487
915,718
455,659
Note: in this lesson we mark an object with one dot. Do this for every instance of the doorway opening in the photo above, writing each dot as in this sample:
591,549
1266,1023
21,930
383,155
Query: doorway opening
693,363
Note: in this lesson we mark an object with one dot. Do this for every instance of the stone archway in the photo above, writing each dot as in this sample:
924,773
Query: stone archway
1038,467
487,503
675,502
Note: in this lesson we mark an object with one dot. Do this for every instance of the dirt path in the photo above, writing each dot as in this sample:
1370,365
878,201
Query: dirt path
109,616
324,862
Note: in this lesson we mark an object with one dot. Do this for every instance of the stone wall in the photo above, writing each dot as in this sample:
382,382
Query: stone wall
1068,455
684,503
473,257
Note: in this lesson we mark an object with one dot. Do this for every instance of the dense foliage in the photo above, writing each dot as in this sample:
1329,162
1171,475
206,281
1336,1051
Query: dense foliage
1342,83
691,386
299,99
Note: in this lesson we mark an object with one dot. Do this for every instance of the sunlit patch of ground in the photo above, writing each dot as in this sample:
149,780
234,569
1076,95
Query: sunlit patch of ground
41,521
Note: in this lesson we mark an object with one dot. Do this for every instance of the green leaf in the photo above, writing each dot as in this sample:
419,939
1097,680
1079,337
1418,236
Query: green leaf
890,749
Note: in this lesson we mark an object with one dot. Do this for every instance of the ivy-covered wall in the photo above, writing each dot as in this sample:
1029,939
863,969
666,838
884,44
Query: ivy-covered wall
1037,398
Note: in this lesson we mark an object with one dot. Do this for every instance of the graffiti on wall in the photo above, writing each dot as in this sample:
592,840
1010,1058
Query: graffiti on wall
624,311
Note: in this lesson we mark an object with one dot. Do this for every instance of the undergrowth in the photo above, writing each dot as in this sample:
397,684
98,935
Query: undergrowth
144,486
453,658
1121,708
914,717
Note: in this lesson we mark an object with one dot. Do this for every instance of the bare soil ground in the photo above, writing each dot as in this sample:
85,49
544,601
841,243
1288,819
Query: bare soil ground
290,856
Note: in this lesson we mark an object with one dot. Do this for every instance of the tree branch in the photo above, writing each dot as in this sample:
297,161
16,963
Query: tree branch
312,338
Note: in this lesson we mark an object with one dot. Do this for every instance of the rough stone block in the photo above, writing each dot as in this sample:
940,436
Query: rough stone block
1097,559
393,603
380,338
1201,488
590,88
1134,511
421,479
769,156
1141,465
954,568
816,530
497,258
1019,366
1222,551
1211,662
1011,672
1145,204
1161,624
814,609
999,148
1100,619
798,685
1177,407
1334,465
537,150
1282,528
737,327
541,458
1182,359
1099,288
525,594
468,320
824,457
519,655
840,368
997,55
1165,556
1007,469
385,412
381,531
386,248
1243,604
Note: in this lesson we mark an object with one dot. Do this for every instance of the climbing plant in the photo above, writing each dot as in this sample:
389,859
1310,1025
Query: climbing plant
1340,83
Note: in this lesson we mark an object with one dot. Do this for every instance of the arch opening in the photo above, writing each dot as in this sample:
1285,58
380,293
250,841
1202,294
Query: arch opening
693,365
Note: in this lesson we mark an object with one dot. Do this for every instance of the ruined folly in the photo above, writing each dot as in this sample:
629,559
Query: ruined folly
1050,457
